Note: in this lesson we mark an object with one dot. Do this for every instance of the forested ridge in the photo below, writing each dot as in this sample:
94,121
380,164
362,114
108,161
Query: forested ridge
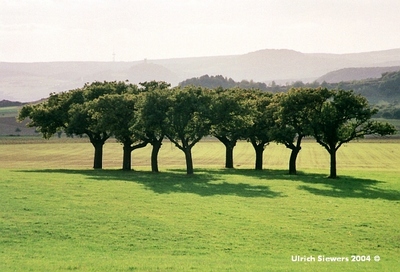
383,89
384,92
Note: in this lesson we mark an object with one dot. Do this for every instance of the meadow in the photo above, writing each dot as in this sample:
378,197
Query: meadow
58,214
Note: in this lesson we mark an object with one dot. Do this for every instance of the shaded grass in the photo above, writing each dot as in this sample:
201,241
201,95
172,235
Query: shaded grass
216,220
209,182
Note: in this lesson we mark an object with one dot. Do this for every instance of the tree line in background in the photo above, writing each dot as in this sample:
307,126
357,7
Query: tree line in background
384,91
147,114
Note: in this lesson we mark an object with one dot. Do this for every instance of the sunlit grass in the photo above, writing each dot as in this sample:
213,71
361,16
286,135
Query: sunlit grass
78,154
57,214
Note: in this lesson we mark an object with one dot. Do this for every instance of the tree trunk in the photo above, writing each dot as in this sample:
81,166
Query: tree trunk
189,160
98,155
259,148
229,156
229,145
292,161
154,155
333,173
259,157
127,157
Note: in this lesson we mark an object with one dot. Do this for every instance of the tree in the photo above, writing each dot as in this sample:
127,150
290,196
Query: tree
117,113
150,123
229,119
261,122
51,116
82,122
188,119
75,112
293,111
343,117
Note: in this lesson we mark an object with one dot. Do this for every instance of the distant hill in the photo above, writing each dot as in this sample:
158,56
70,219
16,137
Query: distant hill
7,103
278,65
349,74
33,81
382,90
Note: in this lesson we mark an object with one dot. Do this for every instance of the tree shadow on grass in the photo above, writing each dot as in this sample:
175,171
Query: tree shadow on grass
343,187
204,183
210,182
320,184
350,187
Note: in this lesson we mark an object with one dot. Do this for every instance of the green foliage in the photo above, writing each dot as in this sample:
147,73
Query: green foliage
154,85
342,118
114,112
390,84
389,110
386,88
86,111
261,116
152,106
150,123
230,117
219,81
230,114
188,116
188,119
46,118
137,116
294,111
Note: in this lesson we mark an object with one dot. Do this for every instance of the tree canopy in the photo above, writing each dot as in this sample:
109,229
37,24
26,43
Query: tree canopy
343,117
136,116
188,119
293,112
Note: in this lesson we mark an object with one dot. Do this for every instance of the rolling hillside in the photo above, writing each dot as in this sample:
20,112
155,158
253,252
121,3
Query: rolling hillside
350,74
32,81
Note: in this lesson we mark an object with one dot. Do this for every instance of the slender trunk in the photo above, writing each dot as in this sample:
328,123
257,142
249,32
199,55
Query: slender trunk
154,155
229,145
293,155
189,160
259,157
229,156
259,149
292,161
127,157
97,140
98,155
333,173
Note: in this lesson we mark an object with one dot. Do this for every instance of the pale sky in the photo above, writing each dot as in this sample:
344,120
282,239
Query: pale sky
92,30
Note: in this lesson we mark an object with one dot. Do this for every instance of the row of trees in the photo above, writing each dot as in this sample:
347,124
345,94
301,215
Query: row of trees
149,113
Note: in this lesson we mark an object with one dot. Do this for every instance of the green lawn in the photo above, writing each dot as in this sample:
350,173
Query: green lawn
57,214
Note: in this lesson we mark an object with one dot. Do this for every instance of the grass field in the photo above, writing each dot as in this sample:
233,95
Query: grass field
9,111
57,214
